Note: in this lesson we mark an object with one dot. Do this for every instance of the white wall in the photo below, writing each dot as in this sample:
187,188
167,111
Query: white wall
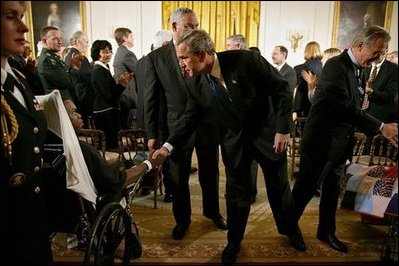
145,18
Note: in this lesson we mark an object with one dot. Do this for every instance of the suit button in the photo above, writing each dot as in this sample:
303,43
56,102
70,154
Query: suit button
35,130
36,149
37,190
36,169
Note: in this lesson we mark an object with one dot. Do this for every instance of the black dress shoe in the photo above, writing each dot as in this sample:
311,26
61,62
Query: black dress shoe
333,242
296,239
168,198
219,221
179,231
229,254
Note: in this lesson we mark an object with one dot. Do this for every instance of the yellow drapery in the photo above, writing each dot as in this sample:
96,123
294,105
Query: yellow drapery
219,17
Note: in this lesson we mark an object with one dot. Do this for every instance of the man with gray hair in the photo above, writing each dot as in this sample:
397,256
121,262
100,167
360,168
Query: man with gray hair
236,42
328,136
161,38
84,91
165,86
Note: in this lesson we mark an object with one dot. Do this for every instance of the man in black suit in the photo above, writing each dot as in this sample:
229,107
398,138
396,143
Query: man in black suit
166,87
328,135
279,57
84,92
382,90
252,104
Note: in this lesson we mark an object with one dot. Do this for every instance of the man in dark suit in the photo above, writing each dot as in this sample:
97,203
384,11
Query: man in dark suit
279,57
84,93
382,90
328,135
166,87
252,104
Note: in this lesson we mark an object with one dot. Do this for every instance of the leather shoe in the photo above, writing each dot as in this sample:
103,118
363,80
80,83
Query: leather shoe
229,254
179,231
333,242
296,239
219,221
168,198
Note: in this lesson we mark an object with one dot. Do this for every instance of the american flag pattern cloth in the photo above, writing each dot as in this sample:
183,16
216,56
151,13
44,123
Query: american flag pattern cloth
370,190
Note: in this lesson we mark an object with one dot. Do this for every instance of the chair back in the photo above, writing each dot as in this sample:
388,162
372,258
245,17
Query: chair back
360,141
294,146
94,137
383,152
132,145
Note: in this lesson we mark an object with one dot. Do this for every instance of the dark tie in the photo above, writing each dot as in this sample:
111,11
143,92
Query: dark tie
213,85
10,82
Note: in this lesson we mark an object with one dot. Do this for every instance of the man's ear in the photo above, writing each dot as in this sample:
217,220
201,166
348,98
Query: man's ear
202,56
174,26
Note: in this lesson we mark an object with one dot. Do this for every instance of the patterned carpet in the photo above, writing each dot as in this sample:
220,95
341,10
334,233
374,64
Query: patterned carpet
204,243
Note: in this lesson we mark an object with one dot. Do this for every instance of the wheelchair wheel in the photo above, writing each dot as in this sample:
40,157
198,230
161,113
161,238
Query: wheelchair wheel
111,227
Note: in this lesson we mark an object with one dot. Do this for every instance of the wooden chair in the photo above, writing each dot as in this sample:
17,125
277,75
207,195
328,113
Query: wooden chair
360,141
382,152
294,147
96,138
132,146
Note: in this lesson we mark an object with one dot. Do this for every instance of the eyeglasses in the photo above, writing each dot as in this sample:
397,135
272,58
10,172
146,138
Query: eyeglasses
376,53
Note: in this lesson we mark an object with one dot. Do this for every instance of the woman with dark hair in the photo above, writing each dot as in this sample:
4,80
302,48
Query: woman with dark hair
106,109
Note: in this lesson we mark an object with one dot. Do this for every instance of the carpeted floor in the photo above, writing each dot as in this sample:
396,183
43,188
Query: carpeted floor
204,243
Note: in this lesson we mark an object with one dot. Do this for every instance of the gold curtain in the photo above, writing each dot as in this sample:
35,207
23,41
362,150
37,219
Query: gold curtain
219,18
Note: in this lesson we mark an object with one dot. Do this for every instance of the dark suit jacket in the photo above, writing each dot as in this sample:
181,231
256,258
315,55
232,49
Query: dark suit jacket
302,103
329,128
126,61
251,116
140,87
385,87
24,228
290,75
164,80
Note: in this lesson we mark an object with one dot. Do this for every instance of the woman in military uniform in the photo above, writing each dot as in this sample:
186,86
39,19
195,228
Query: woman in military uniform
24,228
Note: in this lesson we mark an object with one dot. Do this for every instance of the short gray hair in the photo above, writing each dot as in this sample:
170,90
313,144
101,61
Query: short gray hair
239,38
371,33
76,36
198,41
161,37
178,13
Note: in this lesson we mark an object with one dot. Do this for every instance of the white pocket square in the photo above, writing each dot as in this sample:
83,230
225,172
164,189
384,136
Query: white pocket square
234,81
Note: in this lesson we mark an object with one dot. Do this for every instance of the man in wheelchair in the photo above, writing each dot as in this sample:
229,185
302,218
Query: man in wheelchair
66,208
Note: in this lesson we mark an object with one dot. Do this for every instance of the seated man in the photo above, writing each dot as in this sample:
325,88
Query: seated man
109,179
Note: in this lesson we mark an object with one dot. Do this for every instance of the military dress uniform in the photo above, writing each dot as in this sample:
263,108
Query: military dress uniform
24,228
54,74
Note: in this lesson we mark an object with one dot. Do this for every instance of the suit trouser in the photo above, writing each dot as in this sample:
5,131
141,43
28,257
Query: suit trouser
311,167
208,173
238,190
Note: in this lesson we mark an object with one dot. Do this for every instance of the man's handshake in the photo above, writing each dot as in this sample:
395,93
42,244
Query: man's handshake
159,156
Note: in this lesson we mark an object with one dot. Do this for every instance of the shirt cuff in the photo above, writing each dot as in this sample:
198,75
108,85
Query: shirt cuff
168,146
148,163
381,126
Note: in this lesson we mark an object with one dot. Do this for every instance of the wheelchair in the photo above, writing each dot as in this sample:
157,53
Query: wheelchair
104,230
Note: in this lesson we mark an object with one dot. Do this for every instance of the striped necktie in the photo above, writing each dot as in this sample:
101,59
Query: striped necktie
366,101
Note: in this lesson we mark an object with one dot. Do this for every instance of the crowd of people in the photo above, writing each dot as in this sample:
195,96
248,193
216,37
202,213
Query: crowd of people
187,96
